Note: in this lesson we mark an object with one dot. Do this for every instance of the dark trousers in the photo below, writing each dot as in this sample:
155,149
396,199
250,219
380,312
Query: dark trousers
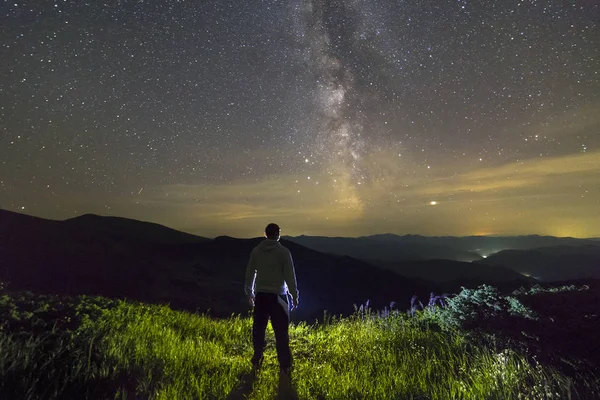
270,305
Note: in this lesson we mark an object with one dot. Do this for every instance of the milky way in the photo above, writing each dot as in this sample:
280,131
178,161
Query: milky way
328,117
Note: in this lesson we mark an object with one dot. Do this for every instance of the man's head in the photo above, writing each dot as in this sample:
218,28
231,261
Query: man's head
272,231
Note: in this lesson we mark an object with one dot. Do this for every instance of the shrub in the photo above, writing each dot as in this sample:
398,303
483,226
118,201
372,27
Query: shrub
476,309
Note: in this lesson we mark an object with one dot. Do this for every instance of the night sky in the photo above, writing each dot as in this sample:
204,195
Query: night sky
330,118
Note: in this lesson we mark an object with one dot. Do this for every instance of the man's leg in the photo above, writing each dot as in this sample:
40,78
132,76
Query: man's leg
259,325
280,319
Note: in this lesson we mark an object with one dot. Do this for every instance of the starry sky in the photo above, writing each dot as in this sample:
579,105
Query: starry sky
341,118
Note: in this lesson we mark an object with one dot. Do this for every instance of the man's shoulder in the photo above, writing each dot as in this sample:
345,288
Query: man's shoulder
283,249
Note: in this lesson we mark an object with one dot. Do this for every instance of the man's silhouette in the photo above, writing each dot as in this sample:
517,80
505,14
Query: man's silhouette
269,276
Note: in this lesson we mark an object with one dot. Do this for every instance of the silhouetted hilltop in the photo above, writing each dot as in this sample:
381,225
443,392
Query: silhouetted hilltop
558,263
91,225
130,229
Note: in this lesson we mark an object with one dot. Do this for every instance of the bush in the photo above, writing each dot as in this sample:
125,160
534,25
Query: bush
481,308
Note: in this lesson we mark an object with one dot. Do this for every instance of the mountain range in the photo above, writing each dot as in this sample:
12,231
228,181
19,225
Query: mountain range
544,258
125,258
390,247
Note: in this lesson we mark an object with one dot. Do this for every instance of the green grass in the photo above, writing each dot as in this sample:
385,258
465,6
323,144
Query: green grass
90,347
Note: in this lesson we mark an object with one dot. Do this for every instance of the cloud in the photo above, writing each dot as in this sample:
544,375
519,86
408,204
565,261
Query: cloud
530,173
277,197
511,198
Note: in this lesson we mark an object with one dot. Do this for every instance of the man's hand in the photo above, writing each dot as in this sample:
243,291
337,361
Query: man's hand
294,304
251,300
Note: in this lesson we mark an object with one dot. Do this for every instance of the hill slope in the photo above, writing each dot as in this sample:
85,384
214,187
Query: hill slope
448,272
558,263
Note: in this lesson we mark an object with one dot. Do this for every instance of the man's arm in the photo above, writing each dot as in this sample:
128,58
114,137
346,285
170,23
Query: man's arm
289,274
250,276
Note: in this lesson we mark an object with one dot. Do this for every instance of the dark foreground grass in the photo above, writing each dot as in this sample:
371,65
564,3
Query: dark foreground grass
89,347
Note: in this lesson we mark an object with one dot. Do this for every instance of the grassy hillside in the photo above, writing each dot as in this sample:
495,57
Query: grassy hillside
91,347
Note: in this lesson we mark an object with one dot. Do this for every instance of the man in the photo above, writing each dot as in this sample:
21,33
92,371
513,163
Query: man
269,276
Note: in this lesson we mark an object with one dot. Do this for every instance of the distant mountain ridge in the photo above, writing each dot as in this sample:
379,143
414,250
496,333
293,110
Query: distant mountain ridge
389,248
416,247
540,257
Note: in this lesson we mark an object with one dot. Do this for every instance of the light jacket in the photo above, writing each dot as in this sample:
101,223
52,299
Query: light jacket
271,269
